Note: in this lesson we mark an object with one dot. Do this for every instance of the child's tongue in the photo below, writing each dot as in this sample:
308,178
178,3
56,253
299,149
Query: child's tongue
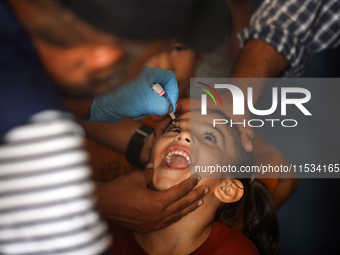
177,161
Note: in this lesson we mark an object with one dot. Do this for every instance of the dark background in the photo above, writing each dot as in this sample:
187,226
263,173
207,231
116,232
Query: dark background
310,220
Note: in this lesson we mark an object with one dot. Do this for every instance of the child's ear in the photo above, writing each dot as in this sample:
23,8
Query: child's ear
229,191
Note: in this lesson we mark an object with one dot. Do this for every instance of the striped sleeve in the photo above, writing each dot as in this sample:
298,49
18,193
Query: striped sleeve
46,196
296,28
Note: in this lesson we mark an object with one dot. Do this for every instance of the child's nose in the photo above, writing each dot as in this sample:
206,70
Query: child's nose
183,137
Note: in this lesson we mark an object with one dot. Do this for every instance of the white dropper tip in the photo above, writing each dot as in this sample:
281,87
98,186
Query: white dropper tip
172,115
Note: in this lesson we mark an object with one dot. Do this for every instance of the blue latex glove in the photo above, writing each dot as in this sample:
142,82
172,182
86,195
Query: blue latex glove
136,99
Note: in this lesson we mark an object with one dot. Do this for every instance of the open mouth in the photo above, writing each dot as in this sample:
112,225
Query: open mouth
176,157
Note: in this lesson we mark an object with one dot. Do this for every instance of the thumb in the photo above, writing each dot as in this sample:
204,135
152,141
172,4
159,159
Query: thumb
155,104
168,81
148,173
180,190
171,88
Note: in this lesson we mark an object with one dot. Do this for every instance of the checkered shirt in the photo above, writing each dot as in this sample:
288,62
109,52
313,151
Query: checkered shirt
296,28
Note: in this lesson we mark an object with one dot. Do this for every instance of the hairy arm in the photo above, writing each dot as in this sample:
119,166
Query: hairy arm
115,137
258,59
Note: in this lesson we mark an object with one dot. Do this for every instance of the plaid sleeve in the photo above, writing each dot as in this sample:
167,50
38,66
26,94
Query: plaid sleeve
296,28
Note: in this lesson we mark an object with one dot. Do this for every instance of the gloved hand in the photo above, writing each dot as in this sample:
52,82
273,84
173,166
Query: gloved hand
136,99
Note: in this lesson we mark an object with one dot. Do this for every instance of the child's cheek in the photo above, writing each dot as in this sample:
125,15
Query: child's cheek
158,150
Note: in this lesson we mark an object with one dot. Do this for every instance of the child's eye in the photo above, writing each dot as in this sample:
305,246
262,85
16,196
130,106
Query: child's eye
210,137
175,129
179,48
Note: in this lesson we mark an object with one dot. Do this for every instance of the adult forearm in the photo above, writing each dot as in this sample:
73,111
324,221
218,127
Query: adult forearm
79,107
113,136
258,59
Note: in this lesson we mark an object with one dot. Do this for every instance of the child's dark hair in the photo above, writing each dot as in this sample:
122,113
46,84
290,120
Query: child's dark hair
254,215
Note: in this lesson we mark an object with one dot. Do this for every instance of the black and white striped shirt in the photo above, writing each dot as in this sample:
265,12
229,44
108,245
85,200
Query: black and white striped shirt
46,196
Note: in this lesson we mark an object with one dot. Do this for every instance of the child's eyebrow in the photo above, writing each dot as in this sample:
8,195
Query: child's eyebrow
177,121
182,120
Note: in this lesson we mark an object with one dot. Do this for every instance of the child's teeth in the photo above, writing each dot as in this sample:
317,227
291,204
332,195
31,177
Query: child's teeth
181,153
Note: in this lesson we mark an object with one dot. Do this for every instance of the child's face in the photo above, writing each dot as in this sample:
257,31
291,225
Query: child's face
178,150
181,60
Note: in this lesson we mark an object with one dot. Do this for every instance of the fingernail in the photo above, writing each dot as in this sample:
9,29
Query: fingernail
250,142
200,202
150,165
196,176
206,191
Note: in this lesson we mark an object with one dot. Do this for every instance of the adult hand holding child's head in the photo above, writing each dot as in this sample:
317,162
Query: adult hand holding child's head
149,210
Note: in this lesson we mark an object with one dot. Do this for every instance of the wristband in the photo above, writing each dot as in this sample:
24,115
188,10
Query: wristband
136,144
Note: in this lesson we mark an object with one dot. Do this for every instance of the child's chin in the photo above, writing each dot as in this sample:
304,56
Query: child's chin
164,184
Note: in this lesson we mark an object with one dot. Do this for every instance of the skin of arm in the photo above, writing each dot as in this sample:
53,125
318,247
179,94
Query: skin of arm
113,136
258,59
116,136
